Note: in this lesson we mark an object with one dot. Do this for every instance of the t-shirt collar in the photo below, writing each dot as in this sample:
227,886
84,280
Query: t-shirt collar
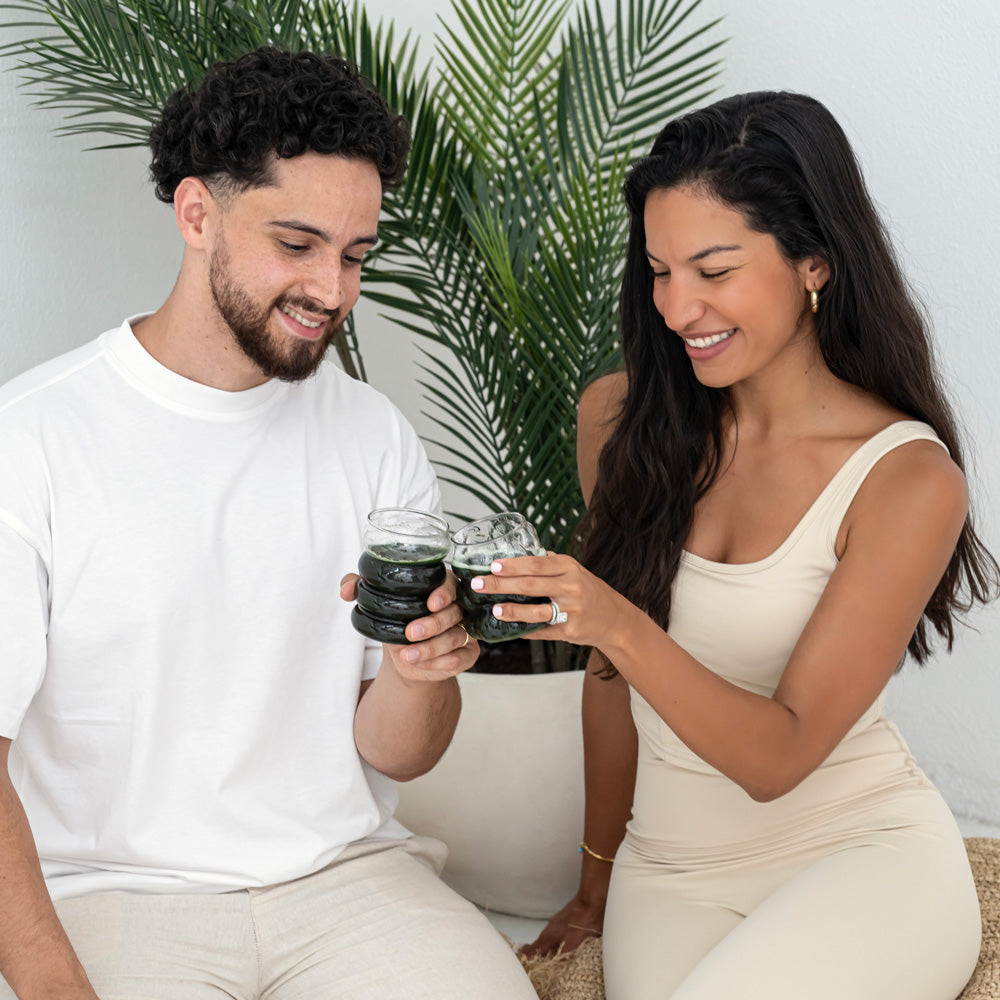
171,389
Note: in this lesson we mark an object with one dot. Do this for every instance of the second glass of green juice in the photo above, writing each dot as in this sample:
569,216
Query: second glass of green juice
473,548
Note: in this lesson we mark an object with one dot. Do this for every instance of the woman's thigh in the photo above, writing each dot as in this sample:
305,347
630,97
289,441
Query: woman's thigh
657,926
897,916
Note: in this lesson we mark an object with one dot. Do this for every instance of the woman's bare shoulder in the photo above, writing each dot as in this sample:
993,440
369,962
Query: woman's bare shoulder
600,404
915,488
601,400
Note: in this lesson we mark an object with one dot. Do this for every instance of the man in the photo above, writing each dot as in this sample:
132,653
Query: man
200,746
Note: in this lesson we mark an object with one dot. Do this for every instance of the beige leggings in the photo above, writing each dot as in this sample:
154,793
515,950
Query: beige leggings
888,913
377,924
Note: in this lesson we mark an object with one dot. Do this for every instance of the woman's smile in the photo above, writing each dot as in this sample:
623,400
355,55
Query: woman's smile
703,346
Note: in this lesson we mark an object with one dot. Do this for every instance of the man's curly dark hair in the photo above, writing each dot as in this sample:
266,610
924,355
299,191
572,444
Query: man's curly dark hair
272,103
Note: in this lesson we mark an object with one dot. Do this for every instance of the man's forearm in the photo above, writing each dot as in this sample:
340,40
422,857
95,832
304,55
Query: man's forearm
36,957
402,727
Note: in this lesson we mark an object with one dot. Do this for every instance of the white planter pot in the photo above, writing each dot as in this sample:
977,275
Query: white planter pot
507,796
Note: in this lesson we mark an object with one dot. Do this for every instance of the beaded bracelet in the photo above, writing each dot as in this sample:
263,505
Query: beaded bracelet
600,857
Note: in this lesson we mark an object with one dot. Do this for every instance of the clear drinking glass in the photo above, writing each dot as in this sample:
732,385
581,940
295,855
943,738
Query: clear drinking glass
402,563
473,548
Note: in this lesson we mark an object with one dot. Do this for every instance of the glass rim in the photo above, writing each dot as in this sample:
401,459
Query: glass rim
518,521
432,520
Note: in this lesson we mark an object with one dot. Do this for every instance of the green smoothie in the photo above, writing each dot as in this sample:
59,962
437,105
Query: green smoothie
396,580
476,608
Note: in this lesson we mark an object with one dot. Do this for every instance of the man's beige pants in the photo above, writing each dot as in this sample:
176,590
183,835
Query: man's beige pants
377,924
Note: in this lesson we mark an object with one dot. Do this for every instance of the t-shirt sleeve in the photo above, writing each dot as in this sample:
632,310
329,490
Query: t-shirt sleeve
419,481
23,624
406,478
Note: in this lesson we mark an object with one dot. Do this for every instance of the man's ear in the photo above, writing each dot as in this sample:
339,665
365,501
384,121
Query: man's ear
194,209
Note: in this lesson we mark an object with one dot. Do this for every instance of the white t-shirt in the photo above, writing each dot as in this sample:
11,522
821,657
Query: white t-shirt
177,669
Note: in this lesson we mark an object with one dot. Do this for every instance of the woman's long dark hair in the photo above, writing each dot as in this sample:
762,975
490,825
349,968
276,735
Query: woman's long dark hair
783,162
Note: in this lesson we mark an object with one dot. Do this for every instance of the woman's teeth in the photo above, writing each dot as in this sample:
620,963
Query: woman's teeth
716,338
299,318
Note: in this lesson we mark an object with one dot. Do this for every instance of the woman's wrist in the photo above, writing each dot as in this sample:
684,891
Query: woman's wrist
595,878
585,848
622,642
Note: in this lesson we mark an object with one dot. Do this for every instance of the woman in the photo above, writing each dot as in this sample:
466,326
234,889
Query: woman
777,515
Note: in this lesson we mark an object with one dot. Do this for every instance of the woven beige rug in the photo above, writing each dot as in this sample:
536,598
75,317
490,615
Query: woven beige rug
578,975
984,856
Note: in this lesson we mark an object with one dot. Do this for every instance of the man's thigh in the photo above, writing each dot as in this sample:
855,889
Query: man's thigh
379,924
162,947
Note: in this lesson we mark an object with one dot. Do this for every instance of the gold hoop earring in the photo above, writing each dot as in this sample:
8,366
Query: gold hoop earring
814,300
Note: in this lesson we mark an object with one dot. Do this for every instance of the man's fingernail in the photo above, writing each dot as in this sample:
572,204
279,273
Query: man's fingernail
417,632
409,655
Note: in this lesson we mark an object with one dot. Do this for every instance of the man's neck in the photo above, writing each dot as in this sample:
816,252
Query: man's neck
192,340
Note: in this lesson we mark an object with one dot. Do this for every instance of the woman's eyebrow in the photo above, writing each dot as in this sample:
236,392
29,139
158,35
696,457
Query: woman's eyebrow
701,254
708,251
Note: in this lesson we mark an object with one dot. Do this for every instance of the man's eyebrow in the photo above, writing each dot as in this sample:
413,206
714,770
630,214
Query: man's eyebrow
304,227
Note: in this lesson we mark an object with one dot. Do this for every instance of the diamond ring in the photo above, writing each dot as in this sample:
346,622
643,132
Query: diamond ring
558,617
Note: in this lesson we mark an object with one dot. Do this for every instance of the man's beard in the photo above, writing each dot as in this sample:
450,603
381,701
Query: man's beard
287,358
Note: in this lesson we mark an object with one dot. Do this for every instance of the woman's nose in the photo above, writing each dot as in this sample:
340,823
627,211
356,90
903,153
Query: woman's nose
678,303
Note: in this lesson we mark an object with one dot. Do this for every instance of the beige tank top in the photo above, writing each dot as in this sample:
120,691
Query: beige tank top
742,621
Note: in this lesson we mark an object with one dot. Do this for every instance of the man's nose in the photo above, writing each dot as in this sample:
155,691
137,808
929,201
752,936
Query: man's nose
325,285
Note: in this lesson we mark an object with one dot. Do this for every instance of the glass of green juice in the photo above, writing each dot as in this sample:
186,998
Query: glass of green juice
402,563
473,548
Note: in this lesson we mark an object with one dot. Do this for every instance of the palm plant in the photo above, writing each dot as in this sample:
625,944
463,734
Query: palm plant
509,237
503,247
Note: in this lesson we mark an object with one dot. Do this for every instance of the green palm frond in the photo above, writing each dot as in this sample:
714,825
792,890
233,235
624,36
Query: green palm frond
618,87
493,67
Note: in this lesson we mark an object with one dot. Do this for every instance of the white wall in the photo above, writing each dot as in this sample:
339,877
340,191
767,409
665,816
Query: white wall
917,89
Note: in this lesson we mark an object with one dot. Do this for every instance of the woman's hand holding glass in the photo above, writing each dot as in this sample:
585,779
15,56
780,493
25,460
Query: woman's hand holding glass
592,609
474,548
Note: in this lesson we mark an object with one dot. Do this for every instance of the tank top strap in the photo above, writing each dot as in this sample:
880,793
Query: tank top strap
840,491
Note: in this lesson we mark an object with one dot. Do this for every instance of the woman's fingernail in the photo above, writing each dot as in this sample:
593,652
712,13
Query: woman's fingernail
477,583
498,611
496,567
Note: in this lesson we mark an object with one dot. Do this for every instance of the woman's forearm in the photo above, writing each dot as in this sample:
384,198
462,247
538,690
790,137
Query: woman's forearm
754,740
610,750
